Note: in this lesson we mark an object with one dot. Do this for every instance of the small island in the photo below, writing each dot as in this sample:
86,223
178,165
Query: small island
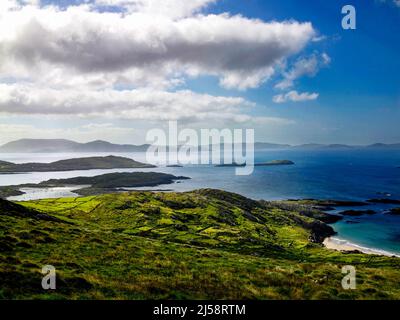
395,211
101,184
269,163
90,163
384,201
276,163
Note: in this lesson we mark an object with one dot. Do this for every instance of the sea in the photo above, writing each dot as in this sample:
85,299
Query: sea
356,174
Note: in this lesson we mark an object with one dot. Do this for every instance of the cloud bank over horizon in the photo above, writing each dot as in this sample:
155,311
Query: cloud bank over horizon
113,69
132,63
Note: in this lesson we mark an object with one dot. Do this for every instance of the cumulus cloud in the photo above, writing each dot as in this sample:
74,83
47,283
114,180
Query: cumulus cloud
308,66
80,41
295,96
87,61
170,8
138,104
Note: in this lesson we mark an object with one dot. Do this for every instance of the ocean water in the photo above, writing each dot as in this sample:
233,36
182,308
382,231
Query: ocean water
324,174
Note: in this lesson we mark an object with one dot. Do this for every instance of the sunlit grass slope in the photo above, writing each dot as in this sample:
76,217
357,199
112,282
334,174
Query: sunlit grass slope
206,244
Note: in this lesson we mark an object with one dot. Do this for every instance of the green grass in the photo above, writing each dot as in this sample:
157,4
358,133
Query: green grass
206,244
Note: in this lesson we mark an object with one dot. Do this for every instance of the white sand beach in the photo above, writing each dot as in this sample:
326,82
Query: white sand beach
343,245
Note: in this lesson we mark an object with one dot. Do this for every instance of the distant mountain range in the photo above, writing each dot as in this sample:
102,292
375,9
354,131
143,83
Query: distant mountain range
62,145
316,146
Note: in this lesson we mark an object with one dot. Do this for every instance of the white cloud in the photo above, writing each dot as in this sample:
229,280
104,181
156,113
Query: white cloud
395,2
308,66
138,104
171,8
81,61
319,38
134,48
295,96
271,121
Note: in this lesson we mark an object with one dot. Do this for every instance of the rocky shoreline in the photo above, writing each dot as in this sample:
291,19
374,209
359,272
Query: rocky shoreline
320,209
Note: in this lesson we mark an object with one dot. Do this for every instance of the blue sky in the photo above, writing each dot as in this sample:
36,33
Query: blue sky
350,93
359,98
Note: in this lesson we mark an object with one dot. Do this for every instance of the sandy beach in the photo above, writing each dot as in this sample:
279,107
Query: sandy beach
343,245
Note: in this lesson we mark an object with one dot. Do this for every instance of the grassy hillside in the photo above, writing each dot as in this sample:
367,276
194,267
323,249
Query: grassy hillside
206,244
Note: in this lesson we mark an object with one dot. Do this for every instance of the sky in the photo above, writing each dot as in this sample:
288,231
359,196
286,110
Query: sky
113,69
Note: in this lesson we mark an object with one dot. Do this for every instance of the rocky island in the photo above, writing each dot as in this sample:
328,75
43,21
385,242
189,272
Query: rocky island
395,211
276,163
384,201
269,163
356,213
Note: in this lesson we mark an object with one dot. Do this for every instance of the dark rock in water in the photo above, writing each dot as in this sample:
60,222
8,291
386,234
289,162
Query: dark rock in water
386,194
276,163
329,204
356,213
331,218
385,201
174,166
395,237
394,211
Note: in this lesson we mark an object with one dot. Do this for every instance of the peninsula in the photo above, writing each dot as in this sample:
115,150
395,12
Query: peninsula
101,184
89,163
